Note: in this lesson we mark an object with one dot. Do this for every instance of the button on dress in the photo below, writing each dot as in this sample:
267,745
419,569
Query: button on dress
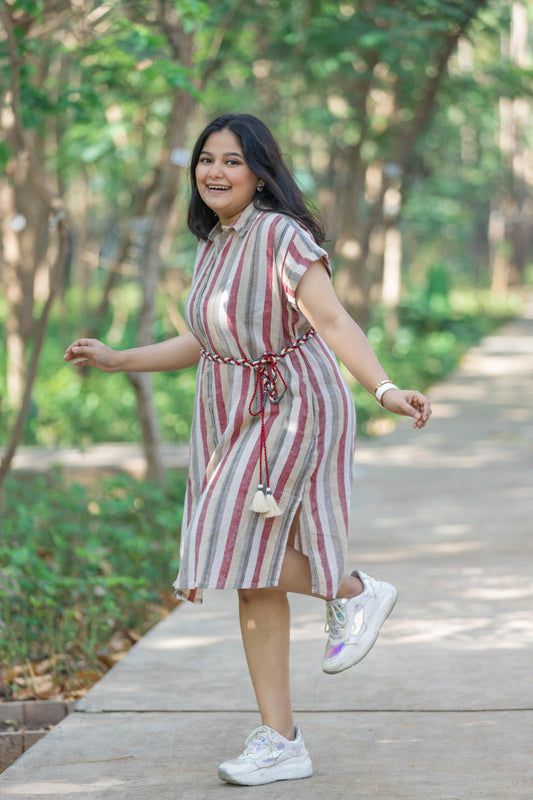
242,305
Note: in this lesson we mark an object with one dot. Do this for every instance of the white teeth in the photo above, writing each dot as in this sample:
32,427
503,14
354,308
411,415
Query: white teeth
218,187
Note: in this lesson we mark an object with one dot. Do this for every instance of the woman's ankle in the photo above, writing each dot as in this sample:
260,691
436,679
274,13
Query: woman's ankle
285,729
351,586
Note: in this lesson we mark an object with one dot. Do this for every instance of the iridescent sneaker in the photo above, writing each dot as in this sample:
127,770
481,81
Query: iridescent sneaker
354,624
268,757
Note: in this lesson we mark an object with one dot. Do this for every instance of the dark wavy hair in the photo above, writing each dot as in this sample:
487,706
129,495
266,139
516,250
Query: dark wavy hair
263,156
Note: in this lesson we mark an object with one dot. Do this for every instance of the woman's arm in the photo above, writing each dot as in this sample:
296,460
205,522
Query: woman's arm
316,299
173,354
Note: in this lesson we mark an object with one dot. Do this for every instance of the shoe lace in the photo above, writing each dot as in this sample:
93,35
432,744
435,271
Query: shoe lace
260,739
335,620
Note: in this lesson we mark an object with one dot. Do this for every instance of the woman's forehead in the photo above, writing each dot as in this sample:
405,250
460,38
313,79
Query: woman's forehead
223,141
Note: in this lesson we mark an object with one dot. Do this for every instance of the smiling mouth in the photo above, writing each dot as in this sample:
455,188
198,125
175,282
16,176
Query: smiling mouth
215,188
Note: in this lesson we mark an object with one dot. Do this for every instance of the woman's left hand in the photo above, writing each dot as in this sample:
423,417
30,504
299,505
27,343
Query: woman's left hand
408,403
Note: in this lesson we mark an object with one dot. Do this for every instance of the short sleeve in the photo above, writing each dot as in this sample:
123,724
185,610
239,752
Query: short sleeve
297,251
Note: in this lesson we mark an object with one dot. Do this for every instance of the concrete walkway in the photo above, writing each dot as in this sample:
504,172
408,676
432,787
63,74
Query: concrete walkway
441,709
106,457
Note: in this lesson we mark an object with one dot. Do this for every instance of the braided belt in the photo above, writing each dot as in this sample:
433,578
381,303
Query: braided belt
267,376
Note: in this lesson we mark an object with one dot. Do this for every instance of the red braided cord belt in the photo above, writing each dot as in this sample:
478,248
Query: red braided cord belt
267,376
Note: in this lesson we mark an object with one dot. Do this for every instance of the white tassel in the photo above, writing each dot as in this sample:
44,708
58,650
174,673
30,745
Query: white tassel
273,509
259,503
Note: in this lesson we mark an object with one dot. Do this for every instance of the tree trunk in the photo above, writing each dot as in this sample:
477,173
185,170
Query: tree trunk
498,253
392,278
509,248
357,236
165,196
24,240
41,209
40,331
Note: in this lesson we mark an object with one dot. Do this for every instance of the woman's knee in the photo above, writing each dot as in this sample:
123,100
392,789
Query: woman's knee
249,596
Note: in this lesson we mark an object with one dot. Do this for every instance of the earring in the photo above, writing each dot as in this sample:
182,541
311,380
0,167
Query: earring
260,187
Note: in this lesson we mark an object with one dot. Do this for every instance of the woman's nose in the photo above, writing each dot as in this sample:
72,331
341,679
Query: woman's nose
215,168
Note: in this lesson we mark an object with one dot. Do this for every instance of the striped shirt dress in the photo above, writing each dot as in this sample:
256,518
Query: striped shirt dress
242,305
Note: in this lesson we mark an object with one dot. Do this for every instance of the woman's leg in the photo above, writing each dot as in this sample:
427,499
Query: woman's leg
295,577
295,573
265,627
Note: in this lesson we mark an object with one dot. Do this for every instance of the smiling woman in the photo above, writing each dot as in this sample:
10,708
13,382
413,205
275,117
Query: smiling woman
225,182
274,188
271,406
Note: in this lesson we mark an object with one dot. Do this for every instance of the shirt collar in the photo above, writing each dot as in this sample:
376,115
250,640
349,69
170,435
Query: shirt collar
241,226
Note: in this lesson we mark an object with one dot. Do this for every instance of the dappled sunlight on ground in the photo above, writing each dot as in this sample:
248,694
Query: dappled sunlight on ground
186,642
58,788
410,553
508,632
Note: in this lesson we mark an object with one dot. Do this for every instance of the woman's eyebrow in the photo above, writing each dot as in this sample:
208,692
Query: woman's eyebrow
225,155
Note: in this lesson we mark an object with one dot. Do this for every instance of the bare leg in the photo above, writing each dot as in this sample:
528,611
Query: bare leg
295,573
295,577
265,627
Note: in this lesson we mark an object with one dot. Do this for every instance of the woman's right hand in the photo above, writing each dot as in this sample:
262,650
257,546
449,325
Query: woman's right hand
92,353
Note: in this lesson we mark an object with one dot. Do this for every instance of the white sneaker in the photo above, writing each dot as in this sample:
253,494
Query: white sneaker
268,757
354,624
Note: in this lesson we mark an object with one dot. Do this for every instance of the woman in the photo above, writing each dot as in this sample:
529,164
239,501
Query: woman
274,428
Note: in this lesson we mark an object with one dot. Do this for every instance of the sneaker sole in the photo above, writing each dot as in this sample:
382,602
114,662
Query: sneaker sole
335,666
294,770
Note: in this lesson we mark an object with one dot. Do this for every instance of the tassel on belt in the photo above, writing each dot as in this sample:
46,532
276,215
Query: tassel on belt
267,376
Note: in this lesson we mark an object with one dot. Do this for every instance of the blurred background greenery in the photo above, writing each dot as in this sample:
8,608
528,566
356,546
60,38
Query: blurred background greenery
407,124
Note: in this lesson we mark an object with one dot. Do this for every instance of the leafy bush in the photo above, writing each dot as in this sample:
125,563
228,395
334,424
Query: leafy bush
80,562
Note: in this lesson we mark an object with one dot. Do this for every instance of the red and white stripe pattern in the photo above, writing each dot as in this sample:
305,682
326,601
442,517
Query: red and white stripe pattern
267,375
242,306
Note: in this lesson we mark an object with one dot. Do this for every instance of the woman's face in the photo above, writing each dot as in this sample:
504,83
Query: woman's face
225,182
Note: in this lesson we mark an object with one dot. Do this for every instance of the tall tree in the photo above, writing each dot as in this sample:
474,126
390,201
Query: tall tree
30,202
511,217
353,88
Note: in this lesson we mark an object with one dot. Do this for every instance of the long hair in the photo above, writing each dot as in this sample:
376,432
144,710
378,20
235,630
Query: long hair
263,156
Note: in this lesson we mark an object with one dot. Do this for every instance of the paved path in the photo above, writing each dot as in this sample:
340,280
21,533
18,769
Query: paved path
116,456
441,709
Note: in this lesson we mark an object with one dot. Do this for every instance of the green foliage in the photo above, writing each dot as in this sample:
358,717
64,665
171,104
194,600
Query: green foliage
81,561
435,331
75,409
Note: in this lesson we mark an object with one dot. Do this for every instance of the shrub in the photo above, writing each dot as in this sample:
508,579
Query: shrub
80,562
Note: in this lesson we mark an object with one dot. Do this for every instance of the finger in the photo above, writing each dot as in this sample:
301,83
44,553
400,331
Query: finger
77,343
423,418
426,409
82,343
410,410
421,412
422,404
78,353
